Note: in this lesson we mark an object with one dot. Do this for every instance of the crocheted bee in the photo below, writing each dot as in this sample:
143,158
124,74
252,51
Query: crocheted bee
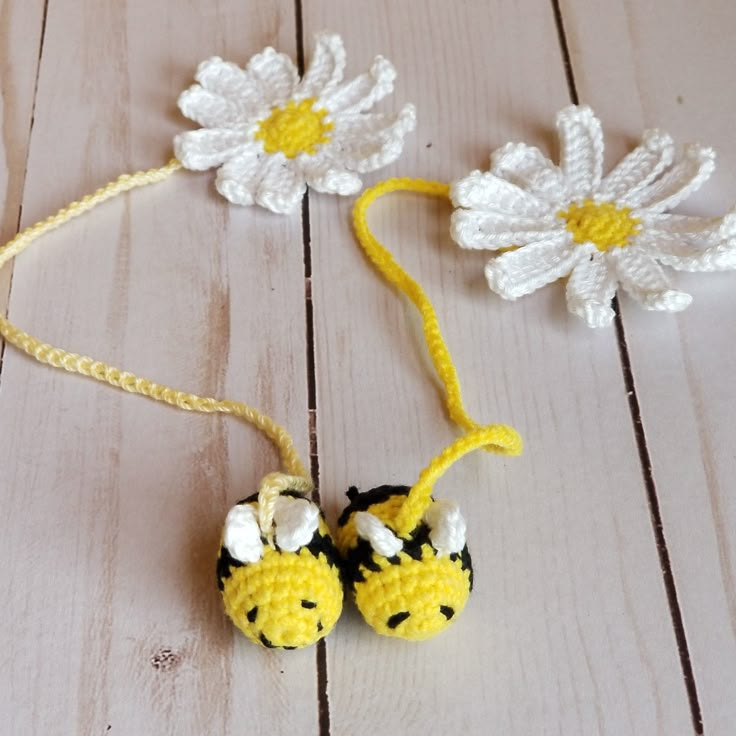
286,593
411,587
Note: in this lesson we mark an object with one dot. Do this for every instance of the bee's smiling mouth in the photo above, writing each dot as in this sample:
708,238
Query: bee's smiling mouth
397,618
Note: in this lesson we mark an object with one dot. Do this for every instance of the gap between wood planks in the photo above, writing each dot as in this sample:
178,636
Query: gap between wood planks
323,700
25,169
634,408
641,443
324,712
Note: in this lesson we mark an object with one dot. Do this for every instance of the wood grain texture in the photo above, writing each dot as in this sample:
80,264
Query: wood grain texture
21,27
112,504
677,74
568,630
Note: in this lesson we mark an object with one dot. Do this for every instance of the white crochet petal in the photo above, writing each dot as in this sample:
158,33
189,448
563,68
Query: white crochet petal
524,200
716,258
698,232
296,521
274,182
242,535
520,272
638,168
527,167
493,230
645,281
268,144
207,147
362,92
485,191
326,68
691,243
282,185
209,109
274,74
676,184
327,176
238,179
590,289
581,150
228,80
367,142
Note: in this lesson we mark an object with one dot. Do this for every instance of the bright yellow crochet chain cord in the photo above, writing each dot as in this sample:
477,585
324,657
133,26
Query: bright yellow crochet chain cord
295,477
497,438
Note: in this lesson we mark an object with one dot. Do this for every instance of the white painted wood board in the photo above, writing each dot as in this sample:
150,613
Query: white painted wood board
112,504
20,36
669,65
568,630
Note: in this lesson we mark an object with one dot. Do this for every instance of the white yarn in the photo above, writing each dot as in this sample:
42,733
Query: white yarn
521,202
447,528
242,536
230,103
296,521
381,538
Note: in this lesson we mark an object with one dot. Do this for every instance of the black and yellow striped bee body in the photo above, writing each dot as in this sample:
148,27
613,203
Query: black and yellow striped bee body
280,598
411,587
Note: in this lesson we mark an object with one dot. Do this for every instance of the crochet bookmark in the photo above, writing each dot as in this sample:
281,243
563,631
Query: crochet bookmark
405,554
271,134
277,534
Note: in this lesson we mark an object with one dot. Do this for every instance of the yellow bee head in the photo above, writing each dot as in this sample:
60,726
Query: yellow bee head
410,587
287,593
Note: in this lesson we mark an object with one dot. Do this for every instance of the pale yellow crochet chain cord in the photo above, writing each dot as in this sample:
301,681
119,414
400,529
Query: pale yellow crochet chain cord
496,438
295,478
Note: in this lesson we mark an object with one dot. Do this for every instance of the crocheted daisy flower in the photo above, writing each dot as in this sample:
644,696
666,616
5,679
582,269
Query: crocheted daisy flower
568,220
271,133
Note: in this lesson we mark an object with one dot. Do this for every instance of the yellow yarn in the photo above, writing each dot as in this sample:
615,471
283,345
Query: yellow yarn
422,588
414,595
292,599
100,371
285,599
346,536
271,487
505,440
602,223
419,589
497,438
294,128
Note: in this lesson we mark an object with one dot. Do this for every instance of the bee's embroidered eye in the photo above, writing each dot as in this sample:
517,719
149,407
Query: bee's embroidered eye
251,615
447,611
397,618
309,604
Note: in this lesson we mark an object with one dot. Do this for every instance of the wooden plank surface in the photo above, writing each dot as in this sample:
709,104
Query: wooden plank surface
677,75
21,26
568,630
113,505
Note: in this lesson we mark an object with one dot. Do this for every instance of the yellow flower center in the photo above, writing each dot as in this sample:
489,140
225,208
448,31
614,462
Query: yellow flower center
604,224
294,128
